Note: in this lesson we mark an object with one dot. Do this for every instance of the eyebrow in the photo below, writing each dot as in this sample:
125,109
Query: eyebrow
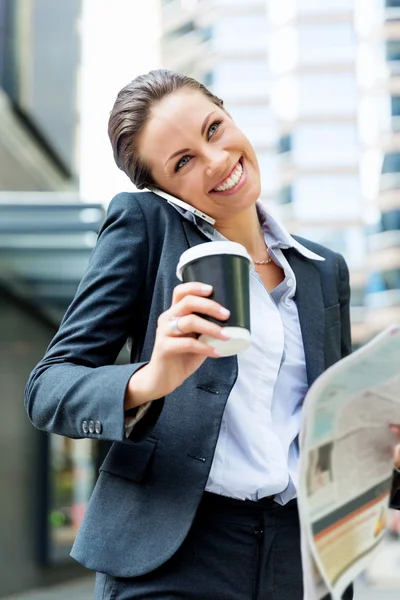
203,128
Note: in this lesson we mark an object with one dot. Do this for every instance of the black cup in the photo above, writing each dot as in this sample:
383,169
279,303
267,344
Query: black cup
225,266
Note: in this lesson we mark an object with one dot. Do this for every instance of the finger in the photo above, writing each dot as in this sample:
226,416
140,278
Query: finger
173,327
193,324
195,304
395,429
188,345
397,457
194,288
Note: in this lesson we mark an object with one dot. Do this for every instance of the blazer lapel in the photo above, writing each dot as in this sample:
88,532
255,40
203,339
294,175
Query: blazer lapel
193,235
310,305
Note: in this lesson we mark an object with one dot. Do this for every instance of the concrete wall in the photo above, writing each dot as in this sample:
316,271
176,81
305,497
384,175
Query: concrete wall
23,340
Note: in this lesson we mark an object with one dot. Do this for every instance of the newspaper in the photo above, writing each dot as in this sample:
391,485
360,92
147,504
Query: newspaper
346,464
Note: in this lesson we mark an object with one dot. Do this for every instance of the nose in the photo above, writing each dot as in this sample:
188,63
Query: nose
217,162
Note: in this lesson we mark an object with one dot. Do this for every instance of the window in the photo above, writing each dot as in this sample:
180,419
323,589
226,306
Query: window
334,93
390,220
318,145
207,33
392,3
285,196
181,31
392,50
320,197
357,297
349,241
208,79
268,163
326,43
327,6
391,163
234,3
238,33
257,123
71,477
395,105
284,144
241,78
383,281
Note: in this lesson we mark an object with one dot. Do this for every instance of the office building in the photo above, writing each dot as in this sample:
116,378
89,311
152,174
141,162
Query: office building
378,61
314,95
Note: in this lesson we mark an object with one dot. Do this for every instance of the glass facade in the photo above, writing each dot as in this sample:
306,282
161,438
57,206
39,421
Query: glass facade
327,94
268,163
324,196
241,76
241,79
380,121
319,145
72,474
390,220
257,123
315,95
395,106
391,163
240,34
328,7
326,43
383,281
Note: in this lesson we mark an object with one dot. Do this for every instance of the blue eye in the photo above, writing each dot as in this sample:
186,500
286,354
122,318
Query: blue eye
182,162
213,128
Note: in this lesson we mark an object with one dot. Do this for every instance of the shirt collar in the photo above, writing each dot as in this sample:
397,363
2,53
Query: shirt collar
278,236
275,232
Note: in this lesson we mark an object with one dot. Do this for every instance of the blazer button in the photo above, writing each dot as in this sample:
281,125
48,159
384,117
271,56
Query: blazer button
91,426
85,427
98,427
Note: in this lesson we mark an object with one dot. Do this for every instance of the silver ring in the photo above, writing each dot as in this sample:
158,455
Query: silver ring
174,326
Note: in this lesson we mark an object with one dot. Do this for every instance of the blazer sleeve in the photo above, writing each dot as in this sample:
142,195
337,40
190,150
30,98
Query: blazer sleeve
344,300
76,390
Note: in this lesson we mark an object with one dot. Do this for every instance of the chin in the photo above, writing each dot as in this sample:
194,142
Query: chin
253,192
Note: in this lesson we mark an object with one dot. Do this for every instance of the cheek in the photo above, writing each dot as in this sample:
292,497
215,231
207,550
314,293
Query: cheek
192,185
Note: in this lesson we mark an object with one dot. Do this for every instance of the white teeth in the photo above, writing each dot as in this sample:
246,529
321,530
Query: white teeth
235,178
232,181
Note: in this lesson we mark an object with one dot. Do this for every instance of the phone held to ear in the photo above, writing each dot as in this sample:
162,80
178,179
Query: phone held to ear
172,200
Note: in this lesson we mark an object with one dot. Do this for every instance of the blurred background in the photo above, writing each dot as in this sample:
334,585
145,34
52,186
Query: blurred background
315,85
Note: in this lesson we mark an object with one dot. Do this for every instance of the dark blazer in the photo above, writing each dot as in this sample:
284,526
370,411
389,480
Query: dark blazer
150,485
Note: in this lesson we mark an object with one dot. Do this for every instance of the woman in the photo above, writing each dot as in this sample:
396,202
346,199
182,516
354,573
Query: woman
196,498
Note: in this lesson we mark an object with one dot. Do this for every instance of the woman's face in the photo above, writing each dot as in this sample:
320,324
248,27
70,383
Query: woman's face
196,153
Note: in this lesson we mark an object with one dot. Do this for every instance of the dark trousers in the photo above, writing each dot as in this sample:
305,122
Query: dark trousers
235,550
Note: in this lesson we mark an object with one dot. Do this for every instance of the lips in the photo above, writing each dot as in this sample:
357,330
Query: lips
231,179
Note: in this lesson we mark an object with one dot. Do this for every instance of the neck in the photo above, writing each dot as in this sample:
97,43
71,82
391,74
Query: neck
245,229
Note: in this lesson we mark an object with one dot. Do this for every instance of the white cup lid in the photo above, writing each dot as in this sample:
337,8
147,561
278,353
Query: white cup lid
209,249
239,341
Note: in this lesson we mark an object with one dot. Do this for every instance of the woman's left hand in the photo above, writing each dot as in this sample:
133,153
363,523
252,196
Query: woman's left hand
396,430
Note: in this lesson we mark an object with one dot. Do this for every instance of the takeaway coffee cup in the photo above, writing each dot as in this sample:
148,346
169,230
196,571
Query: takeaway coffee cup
225,266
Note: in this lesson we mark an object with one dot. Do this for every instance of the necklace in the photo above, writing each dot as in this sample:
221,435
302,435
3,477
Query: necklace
263,262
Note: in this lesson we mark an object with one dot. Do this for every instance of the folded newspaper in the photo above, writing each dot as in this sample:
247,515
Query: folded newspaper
346,464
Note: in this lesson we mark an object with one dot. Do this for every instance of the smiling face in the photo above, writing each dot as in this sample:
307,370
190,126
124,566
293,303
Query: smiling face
196,153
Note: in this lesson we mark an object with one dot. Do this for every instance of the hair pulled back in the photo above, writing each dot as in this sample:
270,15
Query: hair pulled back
131,111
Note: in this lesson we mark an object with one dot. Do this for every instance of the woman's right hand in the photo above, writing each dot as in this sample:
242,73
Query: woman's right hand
176,356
